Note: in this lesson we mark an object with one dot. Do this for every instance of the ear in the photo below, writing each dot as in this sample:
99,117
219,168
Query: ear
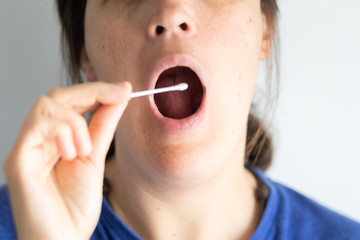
86,66
267,38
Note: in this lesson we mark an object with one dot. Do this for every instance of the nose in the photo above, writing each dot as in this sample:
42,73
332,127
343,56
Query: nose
170,18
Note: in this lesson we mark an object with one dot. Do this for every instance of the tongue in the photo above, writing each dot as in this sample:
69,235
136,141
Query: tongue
179,104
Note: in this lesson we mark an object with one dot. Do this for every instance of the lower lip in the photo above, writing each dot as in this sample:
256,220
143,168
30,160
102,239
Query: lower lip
179,126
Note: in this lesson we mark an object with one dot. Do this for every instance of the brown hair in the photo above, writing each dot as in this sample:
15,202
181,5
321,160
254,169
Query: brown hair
259,149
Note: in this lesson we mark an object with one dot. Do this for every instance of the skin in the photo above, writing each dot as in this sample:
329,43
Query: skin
57,162
153,170
164,186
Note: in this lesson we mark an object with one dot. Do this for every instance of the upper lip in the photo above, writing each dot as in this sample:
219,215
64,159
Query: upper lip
176,60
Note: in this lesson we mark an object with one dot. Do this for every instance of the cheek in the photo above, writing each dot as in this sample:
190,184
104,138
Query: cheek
235,47
233,25
236,43
110,50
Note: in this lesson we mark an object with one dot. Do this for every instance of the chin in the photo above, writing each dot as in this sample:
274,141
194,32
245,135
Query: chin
175,136
186,164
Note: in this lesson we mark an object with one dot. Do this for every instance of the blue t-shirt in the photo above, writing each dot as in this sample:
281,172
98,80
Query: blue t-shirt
288,215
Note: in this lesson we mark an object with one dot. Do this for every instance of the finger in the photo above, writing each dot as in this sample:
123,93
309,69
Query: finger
49,140
84,97
102,128
65,141
47,109
79,128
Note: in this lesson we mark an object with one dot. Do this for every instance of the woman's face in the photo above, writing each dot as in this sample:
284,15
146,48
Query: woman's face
213,45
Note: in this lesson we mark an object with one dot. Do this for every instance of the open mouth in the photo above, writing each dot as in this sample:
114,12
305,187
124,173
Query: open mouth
179,104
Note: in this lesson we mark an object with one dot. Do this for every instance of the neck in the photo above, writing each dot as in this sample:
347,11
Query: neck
223,208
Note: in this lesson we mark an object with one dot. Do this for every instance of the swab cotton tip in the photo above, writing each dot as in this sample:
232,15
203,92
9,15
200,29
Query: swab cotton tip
178,87
182,86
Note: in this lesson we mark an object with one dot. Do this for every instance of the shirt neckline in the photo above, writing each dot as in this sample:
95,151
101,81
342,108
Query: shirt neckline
116,224
122,231
263,229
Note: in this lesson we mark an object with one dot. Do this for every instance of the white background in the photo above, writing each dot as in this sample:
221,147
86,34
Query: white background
316,126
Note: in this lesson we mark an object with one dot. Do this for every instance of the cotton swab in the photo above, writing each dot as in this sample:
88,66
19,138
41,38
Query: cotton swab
178,87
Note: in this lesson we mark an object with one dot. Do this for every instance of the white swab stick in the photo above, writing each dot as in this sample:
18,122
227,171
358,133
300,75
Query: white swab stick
178,87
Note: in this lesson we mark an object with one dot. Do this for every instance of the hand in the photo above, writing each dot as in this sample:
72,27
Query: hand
56,166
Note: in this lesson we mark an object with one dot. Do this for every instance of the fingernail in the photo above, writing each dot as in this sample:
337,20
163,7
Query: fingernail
71,151
87,146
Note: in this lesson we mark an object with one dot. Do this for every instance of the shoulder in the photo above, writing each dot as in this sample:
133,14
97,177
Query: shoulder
7,228
315,220
299,217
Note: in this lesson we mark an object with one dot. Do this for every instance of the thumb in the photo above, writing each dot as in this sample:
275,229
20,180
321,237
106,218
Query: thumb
103,124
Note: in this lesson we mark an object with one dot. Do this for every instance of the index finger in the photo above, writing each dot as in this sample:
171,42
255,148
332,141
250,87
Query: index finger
84,97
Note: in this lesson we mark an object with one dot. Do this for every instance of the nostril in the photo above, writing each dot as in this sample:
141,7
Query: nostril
183,26
159,30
